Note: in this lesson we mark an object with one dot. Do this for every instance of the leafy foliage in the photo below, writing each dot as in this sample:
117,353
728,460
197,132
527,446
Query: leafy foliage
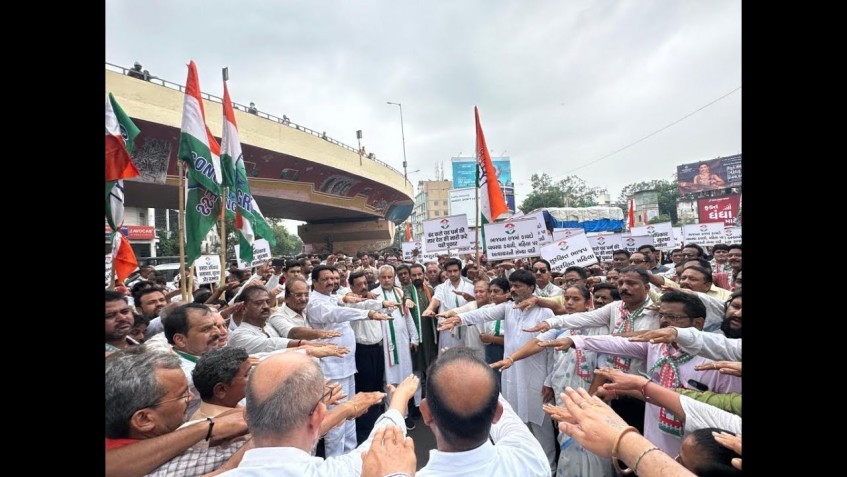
568,192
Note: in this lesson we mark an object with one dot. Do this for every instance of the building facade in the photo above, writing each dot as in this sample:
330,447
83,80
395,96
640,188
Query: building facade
432,201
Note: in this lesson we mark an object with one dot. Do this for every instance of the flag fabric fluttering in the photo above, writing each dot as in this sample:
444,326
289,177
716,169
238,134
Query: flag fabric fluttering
197,146
124,261
491,201
115,204
408,232
631,214
249,220
201,152
120,141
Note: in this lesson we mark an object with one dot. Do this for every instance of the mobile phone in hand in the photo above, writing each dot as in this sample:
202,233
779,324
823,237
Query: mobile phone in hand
698,385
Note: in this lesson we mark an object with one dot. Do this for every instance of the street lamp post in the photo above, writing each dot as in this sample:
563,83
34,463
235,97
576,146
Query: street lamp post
403,134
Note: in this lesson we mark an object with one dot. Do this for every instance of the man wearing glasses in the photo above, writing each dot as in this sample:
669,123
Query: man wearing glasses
666,365
543,275
147,396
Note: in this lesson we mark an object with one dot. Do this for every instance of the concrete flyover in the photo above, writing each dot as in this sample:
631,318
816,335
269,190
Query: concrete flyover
350,202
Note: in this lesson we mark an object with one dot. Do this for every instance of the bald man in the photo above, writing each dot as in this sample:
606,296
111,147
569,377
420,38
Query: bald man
286,414
462,423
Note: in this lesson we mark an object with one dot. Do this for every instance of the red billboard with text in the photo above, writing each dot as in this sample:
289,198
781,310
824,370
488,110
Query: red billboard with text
719,209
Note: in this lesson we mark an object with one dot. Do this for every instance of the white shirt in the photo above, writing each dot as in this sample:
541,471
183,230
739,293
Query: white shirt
708,345
290,461
284,319
699,415
515,452
521,384
325,313
549,291
609,315
253,340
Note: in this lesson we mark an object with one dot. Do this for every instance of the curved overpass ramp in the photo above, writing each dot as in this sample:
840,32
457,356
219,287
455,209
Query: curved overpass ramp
350,202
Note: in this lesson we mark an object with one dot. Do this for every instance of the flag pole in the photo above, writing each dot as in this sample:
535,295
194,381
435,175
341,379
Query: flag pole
476,214
224,196
182,279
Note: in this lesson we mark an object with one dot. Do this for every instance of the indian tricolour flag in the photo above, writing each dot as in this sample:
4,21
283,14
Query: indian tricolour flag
248,218
195,140
491,201
120,140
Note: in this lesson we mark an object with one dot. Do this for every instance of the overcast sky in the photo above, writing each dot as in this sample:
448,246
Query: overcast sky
559,84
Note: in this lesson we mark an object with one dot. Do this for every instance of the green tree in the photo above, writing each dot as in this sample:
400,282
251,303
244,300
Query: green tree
399,235
667,191
286,243
168,243
568,192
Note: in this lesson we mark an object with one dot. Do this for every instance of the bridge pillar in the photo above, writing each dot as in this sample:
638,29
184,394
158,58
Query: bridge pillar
348,237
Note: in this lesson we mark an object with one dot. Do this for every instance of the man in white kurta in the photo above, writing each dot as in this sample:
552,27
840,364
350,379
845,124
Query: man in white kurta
447,296
667,366
399,334
521,386
326,313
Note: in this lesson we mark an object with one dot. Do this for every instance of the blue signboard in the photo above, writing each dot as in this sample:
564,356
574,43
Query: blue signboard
464,172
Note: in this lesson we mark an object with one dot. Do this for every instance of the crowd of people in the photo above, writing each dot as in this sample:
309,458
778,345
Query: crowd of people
321,364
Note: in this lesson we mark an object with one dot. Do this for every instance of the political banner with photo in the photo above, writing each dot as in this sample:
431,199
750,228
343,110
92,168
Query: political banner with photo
512,239
632,242
704,234
207,268
261,253
732,235
604,245
720,173
662,234
445,233
574,251
108,269
559,234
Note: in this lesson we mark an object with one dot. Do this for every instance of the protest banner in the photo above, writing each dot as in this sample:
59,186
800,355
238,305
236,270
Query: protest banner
208,269
704,234
108,269
569,252
732,235
261,253
559,234
662,234
604,245
632,242
512,239
445,233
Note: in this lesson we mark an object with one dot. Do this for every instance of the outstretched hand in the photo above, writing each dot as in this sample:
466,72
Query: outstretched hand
592,423
732,443
527,303
390,454
539,328
732,368
662,335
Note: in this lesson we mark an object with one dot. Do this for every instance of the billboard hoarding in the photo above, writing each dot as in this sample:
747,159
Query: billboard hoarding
713,174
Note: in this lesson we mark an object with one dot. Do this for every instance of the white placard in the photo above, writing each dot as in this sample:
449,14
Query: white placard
632,242
409,247
207,269
559,234
108,269
463,201
512,239
569,252
704,234
471,248
261,253
662,234
604,245
544,236
732,235
677,235
446,233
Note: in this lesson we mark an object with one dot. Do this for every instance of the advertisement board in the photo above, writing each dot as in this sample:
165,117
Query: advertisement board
713,174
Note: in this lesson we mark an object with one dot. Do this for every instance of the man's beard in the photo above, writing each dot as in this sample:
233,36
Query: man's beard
728,331
418,283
